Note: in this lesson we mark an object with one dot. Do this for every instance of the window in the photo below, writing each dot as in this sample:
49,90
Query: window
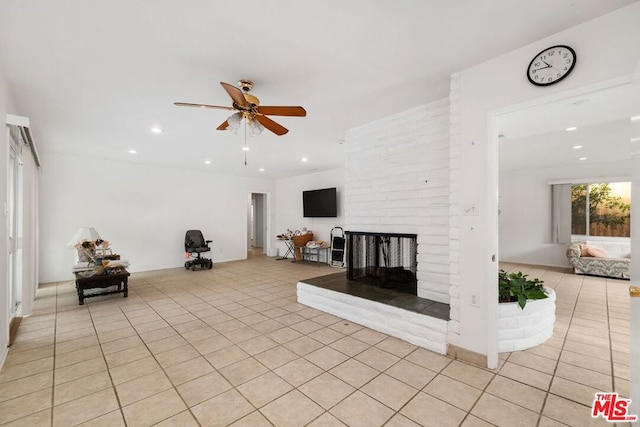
601,209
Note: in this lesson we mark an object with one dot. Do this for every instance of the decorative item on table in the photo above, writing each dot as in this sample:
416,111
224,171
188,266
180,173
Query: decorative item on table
89,250
286,236
299,240
317,244
91,247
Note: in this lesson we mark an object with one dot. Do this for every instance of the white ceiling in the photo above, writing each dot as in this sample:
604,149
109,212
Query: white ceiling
537,137
94,76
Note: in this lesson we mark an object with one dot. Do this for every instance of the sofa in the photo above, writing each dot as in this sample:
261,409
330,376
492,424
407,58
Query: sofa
600,258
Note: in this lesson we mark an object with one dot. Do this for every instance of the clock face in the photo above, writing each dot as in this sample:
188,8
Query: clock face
551,65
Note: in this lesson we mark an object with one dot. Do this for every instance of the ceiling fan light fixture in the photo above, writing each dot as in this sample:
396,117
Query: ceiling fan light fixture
255,128
234,121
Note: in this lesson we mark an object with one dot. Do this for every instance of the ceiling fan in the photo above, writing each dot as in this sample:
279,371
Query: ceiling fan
248,107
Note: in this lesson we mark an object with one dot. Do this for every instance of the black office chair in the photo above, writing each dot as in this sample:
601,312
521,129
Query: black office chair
194,244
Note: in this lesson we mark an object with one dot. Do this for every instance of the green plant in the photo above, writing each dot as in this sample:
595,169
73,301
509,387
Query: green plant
516,287
605,208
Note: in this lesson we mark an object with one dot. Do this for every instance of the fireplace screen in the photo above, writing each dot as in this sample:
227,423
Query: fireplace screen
383,259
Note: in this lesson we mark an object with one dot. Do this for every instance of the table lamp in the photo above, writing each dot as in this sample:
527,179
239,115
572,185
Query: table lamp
84,233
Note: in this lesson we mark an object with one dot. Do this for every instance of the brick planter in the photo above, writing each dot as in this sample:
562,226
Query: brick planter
521,329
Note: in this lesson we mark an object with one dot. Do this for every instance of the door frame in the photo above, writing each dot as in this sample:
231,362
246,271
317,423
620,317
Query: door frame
493,163
266,249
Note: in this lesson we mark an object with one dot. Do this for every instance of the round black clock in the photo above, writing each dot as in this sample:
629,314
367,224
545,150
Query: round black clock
551,65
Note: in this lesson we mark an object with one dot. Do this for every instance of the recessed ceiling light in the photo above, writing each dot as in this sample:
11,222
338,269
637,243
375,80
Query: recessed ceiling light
634,118
261,169
582,158
577,147
132,151
304,159
207,162
572,128
156,130
245,148
580,101
635,139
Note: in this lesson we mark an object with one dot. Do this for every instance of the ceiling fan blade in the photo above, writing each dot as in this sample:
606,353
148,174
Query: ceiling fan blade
282,111
223,126
236,94
187,104
271,125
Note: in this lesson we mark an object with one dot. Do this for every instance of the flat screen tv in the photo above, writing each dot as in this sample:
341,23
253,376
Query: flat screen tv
320,203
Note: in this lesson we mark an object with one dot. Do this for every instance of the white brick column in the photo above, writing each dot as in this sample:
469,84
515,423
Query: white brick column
397,181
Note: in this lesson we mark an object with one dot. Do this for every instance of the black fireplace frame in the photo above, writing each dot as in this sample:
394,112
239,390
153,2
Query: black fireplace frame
374,243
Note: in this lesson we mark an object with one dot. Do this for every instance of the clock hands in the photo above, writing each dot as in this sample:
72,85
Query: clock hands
543,68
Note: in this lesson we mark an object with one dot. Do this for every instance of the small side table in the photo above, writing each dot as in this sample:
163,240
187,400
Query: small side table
113,277
289,250
308,253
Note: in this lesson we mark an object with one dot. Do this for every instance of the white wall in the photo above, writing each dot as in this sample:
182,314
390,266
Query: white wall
397,181
288,205
142,210
607,48
525,210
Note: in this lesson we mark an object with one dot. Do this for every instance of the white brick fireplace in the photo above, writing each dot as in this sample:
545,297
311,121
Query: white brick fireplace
397,180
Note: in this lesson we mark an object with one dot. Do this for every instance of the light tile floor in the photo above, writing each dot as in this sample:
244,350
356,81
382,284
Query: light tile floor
231,346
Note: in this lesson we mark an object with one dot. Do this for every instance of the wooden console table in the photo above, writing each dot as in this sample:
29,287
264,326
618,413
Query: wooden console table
112,277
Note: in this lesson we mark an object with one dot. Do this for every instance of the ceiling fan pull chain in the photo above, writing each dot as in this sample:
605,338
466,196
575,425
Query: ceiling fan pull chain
246,148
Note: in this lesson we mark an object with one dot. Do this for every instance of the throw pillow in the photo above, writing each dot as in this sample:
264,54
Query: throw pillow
592,251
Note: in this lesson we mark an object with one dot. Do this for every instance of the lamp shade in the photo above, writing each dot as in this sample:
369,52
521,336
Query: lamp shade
255,128
84,233
234,121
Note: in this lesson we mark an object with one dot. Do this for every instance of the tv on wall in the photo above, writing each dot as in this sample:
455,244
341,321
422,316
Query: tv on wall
320,203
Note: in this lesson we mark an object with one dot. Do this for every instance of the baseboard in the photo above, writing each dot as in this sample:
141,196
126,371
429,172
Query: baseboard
467,355
4,350
564,266
13,328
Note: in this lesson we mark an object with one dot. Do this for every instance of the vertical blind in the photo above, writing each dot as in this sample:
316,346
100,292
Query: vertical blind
561,213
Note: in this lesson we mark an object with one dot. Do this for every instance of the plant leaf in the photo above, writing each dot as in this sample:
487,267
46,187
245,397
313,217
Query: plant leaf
522,301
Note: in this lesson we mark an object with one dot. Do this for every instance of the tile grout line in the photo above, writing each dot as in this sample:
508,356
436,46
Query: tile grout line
564,341
173,386
299,357
284,296
326,371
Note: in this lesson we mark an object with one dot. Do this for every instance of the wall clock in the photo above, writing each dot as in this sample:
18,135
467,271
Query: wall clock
551,65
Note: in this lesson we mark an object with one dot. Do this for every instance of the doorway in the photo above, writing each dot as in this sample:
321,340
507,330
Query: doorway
258,224
576,140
